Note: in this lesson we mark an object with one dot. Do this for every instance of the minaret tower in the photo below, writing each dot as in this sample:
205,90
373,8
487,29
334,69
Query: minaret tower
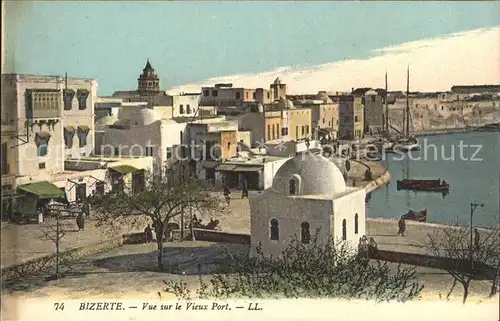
148,82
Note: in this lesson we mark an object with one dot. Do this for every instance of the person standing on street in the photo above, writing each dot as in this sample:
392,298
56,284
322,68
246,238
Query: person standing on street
402,226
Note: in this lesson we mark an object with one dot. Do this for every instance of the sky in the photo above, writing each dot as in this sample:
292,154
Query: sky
311,45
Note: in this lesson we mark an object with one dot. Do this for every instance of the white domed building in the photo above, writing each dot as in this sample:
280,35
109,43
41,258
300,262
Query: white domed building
308,193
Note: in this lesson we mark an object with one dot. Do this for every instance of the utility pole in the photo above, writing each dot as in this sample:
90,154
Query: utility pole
408,101
386,108
473,207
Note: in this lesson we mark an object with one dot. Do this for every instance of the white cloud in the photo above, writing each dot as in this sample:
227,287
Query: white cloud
471,57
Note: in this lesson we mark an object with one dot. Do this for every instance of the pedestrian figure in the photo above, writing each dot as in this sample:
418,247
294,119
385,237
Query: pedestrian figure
80,221
149,234
402,226
227,194
86,209
244,192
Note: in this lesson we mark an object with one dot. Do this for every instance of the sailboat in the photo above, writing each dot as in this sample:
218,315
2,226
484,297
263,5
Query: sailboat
407,143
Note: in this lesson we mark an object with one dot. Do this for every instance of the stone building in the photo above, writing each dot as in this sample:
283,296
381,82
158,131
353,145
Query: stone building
374,112
351,114
308,194
48,139
324,115
229,99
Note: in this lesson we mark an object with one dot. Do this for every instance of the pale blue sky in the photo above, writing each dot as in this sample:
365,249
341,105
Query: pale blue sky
192,41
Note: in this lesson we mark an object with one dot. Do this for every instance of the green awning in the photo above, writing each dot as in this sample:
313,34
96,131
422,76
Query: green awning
248,169
43,189
225,167
124,169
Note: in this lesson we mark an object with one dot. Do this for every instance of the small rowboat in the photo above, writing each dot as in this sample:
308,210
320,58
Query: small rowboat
430,185
416,216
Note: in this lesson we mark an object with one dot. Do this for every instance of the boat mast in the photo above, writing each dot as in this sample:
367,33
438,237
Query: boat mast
386,109
408,102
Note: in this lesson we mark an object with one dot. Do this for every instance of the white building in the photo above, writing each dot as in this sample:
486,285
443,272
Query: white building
144,133
308,193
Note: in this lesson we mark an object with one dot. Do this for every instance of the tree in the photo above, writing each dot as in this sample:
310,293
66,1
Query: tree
306,271
55,233
161,200
467,260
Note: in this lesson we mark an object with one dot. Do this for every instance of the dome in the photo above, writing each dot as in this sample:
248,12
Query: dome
316,175
147,116
324,97
106,121
285,103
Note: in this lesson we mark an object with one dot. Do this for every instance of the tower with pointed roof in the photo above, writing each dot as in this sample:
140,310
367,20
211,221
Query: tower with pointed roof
148,82
278,89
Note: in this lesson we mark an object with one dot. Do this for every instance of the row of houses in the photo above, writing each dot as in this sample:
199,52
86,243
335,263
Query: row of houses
57,132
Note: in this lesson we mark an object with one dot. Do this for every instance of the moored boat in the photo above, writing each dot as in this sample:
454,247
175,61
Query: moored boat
431,185
416,216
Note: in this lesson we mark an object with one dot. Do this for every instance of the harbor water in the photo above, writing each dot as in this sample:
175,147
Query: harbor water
469,162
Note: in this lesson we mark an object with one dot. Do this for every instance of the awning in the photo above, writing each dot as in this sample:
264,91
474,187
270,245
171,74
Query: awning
43,135
124,169
83,128
43,189
248,169
69,129
225,167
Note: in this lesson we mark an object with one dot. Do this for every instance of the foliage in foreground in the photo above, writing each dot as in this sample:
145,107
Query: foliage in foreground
161,200
469,260
306,271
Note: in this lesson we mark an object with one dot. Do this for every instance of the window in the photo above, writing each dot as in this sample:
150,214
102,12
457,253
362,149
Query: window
229,145
206,93
188,109
303,130
344,230
42,143
277,130
268,132
181,136
237,95
99,188
356,223
215,93
69,133
329,123
41,165
254,96
293,186
83,132
373,98
169,152
284,131
117,151
5,159
246,95
68,99
323,120
275,232
305,234
149,151
268,95
181,109
82,99
356,118
307,129
274,127
296,132
81,192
